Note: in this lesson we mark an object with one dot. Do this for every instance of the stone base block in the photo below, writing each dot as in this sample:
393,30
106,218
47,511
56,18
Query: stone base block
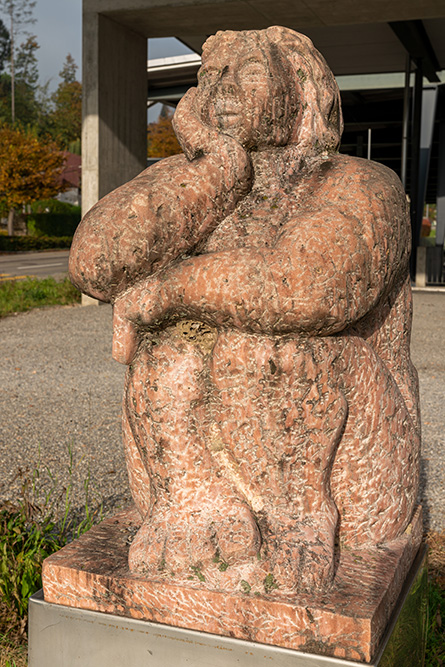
347,622
65,637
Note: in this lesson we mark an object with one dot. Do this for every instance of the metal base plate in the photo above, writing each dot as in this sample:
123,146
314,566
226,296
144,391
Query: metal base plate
66,637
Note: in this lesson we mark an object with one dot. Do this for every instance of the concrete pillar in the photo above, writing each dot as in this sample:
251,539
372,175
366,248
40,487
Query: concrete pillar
421,272
114,129
114,133
440,220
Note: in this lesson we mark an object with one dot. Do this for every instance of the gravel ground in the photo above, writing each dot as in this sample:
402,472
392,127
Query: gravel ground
428,354
60,403
61,393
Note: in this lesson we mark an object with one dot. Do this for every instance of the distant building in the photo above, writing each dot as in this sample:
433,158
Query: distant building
71,179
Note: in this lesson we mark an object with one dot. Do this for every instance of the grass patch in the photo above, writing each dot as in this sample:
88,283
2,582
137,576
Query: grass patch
13,655
21,295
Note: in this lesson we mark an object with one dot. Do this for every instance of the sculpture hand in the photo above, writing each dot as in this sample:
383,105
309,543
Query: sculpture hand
125,337
140,305
197,139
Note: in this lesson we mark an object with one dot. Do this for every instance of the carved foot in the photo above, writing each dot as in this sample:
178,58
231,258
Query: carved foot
177,542
302,553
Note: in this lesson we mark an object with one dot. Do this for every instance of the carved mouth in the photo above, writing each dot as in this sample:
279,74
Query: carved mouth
227,114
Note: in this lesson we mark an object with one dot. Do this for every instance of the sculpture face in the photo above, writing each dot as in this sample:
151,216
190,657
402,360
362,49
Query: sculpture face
238,93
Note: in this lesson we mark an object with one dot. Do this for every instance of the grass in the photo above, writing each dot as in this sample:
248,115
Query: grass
13,656
41,522
22,295
435,649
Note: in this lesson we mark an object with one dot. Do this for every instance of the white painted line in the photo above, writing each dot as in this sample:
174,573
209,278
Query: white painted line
40,266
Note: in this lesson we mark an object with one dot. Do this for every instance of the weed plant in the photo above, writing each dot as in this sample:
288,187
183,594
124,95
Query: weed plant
21,295
41,522
435,648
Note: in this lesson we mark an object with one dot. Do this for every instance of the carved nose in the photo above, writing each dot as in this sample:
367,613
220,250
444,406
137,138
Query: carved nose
228,87
227,80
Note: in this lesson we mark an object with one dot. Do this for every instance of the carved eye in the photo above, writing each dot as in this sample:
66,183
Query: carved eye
207,74
253,72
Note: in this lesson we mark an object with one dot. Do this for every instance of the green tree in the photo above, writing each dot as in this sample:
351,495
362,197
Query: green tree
5,45
26,107
65,121
30,170
19,14
68,73
26,62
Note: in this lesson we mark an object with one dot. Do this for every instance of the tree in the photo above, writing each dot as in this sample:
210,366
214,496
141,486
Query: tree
5,45
20,14
27,110
68,73
26,62
29,170
65,122
161,138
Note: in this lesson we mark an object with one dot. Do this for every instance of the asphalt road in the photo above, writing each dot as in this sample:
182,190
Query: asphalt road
39,264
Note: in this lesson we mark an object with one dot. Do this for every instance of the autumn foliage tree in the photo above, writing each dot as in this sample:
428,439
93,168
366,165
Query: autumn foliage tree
161,138
30,170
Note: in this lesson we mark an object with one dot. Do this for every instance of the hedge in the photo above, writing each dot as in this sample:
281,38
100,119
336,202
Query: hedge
51,217
23,243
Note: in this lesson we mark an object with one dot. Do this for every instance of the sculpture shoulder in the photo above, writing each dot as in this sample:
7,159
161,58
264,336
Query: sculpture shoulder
343,175
163,168
343,198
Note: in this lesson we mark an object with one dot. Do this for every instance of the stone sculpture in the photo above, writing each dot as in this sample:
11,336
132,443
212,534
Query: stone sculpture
262,303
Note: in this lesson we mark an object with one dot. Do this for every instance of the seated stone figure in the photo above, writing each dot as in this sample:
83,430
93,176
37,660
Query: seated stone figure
262,303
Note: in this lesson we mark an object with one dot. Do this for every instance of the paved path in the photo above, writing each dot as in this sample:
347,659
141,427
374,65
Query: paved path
61,392
40,264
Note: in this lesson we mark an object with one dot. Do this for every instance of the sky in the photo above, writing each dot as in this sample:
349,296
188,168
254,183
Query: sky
59,31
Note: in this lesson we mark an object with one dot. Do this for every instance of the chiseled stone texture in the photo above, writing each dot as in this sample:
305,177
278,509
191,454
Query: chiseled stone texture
262,304
346,622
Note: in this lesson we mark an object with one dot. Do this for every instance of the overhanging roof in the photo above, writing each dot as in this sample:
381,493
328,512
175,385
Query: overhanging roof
169,78
362,37
369,48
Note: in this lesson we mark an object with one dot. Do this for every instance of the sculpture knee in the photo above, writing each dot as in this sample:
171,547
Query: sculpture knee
169,371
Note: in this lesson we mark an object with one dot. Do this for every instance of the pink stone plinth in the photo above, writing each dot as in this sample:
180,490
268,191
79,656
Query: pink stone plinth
346,621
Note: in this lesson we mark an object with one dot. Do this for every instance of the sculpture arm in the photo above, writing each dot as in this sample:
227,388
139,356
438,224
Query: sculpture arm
162,213
326,270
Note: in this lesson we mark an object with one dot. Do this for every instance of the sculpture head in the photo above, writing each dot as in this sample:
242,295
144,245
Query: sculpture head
269,88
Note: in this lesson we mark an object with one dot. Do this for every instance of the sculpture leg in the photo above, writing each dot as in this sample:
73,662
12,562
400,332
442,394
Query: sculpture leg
375,475
185,503
281,418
